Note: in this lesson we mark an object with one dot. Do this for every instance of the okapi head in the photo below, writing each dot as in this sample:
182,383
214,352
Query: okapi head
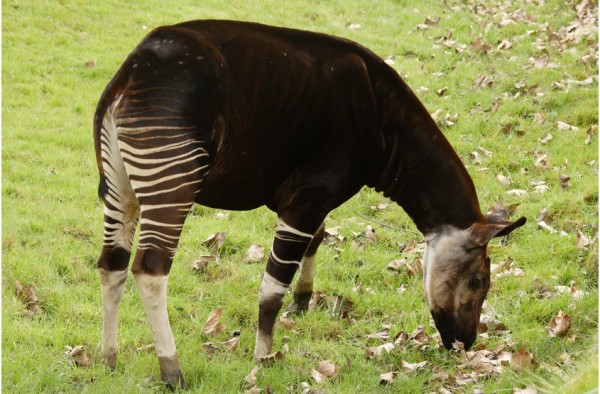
456,271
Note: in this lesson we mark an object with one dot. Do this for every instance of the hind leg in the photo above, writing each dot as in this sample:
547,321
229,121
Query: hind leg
159,234
120,221
121,214
304,286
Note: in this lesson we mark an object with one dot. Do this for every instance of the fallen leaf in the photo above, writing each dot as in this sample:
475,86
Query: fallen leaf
370,235
354,26
386,378
559,325
539,118
565,126
231,344
521,360
254,254
77,355
410,367
383,334
213,325
504,180
328,369
380,207
204,261
375,352
441,92
90,64
484,81
527,390
517,192
542,162
479,46
26,294
215,241
582,240
251,377
504,44
270,359
546,139
209,349
287,323
564,181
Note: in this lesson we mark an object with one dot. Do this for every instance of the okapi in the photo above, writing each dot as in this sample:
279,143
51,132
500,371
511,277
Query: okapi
237,115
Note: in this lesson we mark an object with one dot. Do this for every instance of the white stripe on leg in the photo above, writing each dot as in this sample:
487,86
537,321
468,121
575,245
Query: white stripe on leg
112,284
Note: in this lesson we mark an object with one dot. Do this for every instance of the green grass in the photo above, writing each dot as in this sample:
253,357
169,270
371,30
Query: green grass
52,220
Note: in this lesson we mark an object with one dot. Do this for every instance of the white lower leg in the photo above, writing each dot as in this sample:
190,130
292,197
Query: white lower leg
112,284
153,290
270,297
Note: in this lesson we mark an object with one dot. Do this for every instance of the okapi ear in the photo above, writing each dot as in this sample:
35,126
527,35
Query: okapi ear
481,233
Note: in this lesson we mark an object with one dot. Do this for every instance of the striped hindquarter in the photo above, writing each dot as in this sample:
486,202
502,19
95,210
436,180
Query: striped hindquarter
153,165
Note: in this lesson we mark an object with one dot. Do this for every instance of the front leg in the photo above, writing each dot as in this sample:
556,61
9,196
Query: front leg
288,248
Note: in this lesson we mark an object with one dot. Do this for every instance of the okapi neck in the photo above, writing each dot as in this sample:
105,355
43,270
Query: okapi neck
425,176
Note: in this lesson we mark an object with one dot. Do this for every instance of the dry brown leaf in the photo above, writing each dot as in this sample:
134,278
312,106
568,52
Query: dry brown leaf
253,390
504,44
213,325
287,322
270,359
77,355
565,126
354,26
504,180
254,254
559,325
231,344
209,349
441,92
215,241
26,294
370,235
564,181
479,46
484,81
546,139
328,369
386,378
521,360
410,367
251,377
383,334
582,240
527,390
380,207
204,261
377,351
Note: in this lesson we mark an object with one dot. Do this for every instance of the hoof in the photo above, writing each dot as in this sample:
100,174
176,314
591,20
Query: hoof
300,303
171,374
110,360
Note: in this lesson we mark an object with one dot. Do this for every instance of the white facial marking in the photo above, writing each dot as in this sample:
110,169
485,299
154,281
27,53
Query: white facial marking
445,254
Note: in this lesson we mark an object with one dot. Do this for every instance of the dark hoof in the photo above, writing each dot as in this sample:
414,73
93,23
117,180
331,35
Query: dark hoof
300,303
171,374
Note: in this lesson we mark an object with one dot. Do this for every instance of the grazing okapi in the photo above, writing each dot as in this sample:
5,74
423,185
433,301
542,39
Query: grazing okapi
237,115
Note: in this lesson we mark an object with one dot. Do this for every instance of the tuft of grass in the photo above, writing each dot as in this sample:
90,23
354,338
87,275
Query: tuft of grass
52,220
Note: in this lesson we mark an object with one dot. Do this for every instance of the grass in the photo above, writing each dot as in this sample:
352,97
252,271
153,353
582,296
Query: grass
52,221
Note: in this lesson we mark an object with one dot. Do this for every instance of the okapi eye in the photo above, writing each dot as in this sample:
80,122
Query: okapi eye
474,283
